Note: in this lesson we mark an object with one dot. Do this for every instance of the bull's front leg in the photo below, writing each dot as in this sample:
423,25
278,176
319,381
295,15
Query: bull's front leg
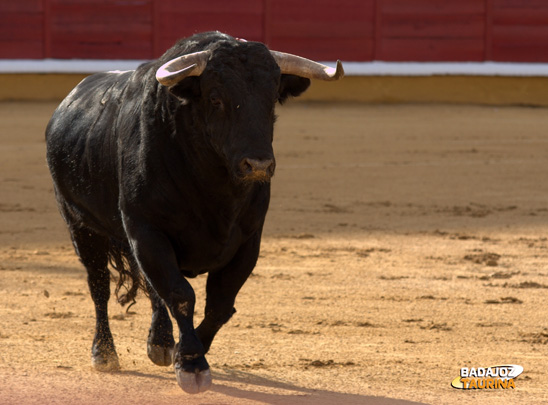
191,367
222,287
157,260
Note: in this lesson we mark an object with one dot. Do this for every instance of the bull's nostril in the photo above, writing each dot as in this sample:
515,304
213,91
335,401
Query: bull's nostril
257,167
246,166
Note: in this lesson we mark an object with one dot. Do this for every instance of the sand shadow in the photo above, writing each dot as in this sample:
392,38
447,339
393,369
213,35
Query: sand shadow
292,394
133,373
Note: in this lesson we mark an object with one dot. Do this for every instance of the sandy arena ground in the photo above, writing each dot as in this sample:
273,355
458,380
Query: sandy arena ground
402,243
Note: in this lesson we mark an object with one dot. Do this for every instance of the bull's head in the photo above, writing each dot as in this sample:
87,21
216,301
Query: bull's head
234,89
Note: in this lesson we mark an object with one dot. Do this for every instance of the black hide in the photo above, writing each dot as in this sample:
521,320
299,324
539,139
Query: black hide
161,182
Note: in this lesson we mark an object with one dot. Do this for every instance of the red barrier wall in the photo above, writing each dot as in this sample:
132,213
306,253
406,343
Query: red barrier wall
352,30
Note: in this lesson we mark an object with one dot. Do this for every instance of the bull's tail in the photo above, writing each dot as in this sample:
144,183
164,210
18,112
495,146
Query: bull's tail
129,280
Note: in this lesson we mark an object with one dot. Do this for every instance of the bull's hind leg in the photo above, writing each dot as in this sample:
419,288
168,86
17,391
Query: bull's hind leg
93,252
160,342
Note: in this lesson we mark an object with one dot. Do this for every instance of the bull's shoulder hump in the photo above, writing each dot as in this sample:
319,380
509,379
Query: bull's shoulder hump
89,100
104,81
95,90
119,72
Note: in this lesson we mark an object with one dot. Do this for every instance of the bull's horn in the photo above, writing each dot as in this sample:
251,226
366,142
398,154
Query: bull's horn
299,66
177,69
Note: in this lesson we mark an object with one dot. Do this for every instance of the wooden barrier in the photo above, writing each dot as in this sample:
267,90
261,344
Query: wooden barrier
351,30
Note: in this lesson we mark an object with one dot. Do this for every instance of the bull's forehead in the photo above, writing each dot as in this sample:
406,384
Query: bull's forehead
243,63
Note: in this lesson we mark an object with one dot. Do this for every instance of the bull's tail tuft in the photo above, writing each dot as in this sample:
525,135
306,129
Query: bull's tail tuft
129,280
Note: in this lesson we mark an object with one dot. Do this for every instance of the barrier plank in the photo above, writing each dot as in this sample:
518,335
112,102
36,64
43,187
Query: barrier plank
352,30
520,43
176,25
433,25
431,49
21,33
104,29
431,6
27,6
429,30
328,30
175,19
520,30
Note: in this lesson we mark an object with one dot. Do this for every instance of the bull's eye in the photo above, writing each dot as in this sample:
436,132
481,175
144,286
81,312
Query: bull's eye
216,102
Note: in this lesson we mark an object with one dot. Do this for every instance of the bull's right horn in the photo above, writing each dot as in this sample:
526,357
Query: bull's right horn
177,69
299,66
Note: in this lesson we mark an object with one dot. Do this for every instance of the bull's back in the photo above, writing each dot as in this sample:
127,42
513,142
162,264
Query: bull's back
82,151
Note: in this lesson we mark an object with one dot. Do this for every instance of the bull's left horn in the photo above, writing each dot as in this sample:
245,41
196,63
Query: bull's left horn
177,69
299,66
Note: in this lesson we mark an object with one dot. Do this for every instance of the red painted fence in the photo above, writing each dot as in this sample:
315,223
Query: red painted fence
352,30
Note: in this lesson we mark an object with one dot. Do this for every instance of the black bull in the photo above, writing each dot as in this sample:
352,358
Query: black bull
164,172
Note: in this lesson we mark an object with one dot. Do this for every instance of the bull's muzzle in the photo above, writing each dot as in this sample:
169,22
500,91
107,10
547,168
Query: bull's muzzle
257,169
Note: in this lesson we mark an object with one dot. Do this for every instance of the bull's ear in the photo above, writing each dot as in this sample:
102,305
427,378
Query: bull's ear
186,90
292,86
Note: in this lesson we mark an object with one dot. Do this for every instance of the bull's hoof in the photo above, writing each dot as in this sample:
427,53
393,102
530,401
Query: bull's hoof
160,355
194,383
105,363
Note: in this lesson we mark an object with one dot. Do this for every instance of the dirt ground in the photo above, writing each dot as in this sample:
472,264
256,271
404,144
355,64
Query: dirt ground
402,243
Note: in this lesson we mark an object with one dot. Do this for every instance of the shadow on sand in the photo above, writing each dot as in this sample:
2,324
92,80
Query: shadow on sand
293,394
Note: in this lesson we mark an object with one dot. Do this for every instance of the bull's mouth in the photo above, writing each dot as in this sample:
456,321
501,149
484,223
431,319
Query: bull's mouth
257,178
257,170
